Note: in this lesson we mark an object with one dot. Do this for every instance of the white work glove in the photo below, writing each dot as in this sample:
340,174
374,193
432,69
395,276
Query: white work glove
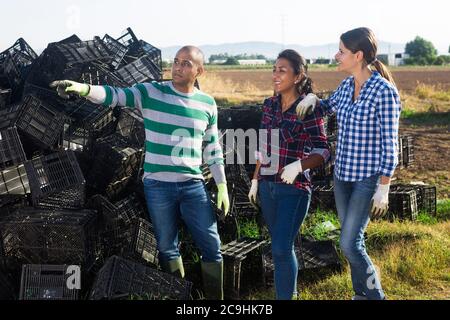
253,192
306,106
380,201
291,171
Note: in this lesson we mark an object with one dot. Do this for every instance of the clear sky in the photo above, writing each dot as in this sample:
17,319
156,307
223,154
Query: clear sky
199,22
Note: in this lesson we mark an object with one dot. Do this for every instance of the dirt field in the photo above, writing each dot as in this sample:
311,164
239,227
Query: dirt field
328,80
432,157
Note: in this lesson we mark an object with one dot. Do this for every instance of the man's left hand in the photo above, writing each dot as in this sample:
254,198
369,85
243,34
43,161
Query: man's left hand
222,199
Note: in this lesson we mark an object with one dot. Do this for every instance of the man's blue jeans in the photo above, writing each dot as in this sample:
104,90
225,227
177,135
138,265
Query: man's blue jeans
284,208
353,201
167,201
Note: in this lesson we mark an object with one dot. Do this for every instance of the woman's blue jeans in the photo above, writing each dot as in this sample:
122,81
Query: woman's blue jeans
353,203
284,208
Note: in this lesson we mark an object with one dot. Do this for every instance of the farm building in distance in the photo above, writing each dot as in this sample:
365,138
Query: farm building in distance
243,62
393,59
252,62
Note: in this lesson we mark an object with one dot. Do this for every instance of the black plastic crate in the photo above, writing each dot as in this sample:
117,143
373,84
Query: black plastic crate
311,255
6,287
118,49
323,196
132,207
8,116
403,204
143,69
125,230
72,198
16,68
11,149
426,195
76,108
72,39
239,275
117,189
134,240
53,173
40,121
80,135
11,201
123,279
39,236
114,161
131,126
428,199
240,117
123,211
407,151
20,46
14,181
318,254
400,153
239,186
80,52
82,61
138,48
5,97
128,38
97,74
47,282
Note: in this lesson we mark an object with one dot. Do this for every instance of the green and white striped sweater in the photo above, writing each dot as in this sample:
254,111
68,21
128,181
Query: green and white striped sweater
176,124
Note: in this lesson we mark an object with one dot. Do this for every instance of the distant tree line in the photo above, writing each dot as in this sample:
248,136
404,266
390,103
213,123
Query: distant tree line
423,52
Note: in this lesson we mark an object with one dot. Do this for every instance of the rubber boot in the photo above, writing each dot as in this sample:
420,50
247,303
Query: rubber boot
212,275
174,267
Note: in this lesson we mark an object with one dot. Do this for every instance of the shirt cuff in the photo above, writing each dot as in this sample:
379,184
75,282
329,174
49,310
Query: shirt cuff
218,173
387,172
97,94
324,153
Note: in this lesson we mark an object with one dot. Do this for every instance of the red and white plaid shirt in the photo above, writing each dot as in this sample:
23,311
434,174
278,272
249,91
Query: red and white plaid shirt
297,139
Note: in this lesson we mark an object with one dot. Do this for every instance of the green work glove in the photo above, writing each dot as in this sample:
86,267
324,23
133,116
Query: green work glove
64,87
222,198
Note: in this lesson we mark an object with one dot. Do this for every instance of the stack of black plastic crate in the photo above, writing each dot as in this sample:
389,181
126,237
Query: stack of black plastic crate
51,218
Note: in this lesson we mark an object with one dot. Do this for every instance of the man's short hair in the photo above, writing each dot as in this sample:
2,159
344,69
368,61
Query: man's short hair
196,53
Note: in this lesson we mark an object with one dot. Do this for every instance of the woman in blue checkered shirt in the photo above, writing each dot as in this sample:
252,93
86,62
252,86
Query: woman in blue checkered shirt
368,110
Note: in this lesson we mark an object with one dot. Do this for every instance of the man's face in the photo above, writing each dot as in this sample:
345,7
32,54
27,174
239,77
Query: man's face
185,69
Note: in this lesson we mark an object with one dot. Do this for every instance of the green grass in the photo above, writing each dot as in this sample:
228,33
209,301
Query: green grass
312,226
426,218
424,91
429,118
413,258
443,209
248,228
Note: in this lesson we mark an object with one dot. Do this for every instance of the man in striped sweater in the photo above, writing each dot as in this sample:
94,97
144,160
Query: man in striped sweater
178,118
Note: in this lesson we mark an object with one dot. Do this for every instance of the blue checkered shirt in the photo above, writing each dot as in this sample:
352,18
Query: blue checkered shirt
368,128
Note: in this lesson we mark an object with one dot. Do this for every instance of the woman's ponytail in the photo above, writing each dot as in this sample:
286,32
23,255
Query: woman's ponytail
383,70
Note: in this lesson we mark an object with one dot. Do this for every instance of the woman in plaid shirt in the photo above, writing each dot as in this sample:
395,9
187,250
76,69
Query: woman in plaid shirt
282,171
368,111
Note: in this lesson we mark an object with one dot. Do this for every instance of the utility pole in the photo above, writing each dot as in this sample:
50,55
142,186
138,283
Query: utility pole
283,31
